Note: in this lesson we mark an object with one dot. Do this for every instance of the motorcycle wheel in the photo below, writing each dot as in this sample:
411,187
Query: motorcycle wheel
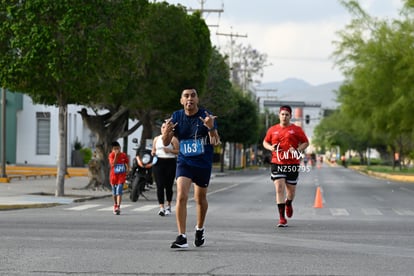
134,194
141,184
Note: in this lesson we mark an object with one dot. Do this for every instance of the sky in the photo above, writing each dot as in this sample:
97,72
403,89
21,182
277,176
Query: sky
296,35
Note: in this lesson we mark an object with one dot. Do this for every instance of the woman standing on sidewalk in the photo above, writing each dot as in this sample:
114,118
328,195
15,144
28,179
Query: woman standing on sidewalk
164,169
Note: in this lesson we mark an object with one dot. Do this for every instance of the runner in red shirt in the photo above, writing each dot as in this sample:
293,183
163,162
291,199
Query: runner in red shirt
286,141
119,168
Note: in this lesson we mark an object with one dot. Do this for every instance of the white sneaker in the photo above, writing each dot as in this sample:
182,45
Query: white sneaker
168,211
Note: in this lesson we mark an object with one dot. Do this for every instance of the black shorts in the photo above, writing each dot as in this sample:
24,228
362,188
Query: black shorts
200,176
289,172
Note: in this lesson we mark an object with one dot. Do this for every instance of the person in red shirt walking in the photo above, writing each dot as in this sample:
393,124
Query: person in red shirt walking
119,166
286,141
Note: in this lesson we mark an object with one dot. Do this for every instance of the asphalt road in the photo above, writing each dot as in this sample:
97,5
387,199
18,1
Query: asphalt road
364,228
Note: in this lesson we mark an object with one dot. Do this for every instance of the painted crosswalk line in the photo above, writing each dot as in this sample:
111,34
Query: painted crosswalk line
83,207
111,207
339,212
403,212
371,212
300,212
145,208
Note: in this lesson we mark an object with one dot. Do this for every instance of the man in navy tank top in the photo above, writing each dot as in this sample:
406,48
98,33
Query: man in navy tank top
196,131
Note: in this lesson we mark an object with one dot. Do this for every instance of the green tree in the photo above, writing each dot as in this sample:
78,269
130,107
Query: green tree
55,51
218,95
241,124
347,135
173,54
377,58
123,58
179,50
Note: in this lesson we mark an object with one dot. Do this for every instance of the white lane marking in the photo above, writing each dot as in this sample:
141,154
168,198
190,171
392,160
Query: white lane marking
371,212
145,208
111,208
404,212
83,207
223,189
339,212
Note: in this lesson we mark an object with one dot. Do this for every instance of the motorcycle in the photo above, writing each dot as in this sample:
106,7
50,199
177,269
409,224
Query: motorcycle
141,174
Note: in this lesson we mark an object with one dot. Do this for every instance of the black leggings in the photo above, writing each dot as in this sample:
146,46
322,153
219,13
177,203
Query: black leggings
164,173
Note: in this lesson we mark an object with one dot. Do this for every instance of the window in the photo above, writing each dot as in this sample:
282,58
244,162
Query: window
43,133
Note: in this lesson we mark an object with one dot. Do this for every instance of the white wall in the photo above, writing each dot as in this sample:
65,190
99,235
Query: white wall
26,134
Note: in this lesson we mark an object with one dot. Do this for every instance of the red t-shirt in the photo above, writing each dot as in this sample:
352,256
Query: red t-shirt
283,138
118,170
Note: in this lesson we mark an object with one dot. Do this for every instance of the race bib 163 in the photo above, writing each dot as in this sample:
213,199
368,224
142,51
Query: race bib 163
191,147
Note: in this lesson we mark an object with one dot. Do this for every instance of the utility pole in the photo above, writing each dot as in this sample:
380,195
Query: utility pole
3,133
233,70
219,11
233,74
232,36
203,10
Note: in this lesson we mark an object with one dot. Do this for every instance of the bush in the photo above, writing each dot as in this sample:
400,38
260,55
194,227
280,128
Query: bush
86,154
375,161
354,161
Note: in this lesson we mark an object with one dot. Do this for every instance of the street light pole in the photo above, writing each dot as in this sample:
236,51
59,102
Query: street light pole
3,133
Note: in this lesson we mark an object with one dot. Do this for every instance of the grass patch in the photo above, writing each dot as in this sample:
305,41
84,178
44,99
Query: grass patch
389,169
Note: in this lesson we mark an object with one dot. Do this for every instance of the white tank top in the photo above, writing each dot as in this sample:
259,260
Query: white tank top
159,149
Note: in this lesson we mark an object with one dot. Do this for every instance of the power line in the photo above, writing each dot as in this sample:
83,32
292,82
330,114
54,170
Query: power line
203,10
232,36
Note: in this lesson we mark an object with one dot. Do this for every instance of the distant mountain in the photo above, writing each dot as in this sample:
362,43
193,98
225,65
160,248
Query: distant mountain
292,89
292,83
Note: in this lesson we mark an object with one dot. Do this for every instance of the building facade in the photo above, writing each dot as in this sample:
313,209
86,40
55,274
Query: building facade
32,132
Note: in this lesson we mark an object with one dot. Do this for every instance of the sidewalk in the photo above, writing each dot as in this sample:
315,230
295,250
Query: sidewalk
40,192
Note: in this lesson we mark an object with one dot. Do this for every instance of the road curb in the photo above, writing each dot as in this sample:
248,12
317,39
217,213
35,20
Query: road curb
401,178
91,198
393,177
6,207
11,207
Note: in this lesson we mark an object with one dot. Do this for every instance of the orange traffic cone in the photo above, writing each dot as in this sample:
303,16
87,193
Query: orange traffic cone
318,199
